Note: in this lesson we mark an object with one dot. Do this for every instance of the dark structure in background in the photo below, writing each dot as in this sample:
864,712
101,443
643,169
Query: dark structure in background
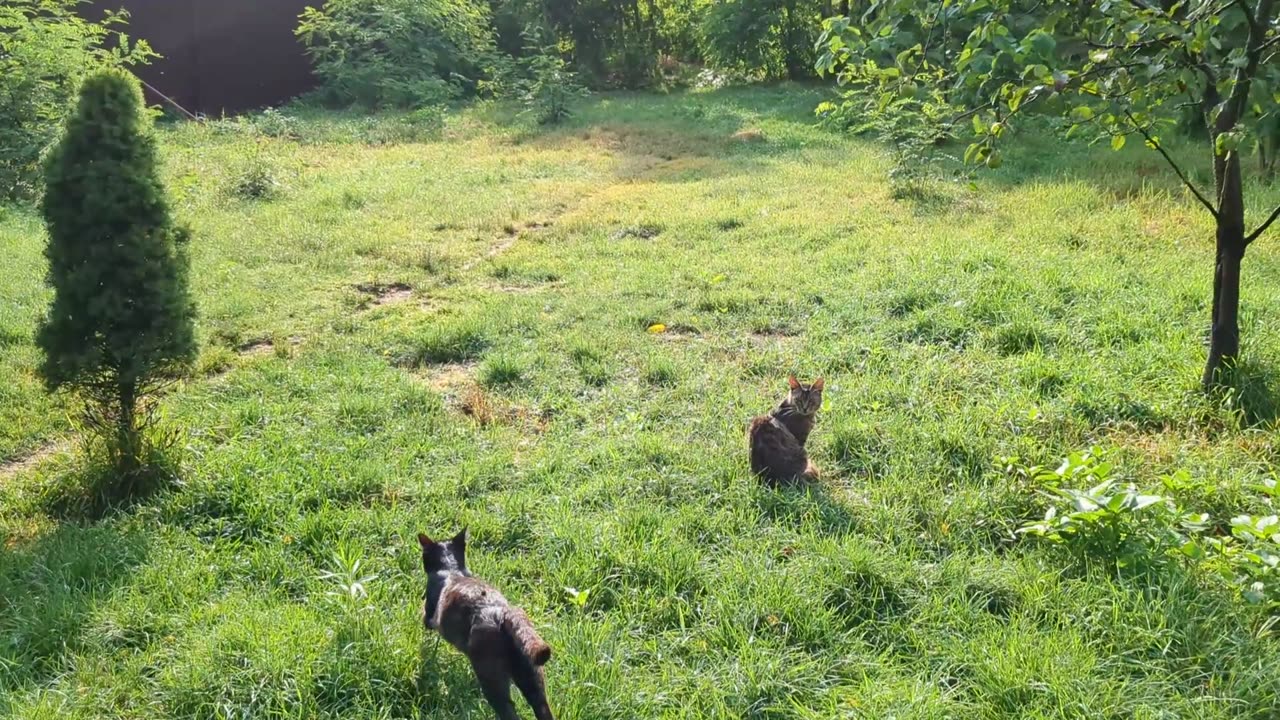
220,56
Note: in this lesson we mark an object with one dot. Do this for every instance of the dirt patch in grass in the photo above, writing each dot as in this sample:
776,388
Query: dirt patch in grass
255,348
387,294
450,377
16,466
487,409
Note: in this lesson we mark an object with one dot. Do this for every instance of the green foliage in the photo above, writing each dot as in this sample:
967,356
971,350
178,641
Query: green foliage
500,370
46,49
767,38
121,322
397,54
550,86
1109,71
1103,520
613,43
257,176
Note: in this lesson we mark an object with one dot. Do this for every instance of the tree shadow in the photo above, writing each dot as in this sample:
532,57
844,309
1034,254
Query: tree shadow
92,489
805,505
685,136
1249,388
445,681
52,585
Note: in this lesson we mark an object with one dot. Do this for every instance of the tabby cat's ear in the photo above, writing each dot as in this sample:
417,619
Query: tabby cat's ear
425,541
817,385
793,382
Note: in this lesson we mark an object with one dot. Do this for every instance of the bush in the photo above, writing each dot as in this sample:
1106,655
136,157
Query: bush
121,322
550,86
397,53
1101,520
46,50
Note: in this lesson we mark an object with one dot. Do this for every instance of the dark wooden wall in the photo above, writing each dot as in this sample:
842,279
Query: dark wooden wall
221,56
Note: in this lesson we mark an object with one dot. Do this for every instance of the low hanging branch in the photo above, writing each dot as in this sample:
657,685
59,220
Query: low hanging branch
1155,143
1263,227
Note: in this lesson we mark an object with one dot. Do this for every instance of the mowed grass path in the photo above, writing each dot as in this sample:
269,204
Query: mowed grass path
427,335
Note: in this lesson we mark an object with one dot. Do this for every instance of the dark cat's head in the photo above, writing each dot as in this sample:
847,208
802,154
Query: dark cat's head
447,556
806,399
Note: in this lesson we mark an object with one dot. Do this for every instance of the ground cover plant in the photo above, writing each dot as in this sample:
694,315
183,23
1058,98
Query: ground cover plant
555,337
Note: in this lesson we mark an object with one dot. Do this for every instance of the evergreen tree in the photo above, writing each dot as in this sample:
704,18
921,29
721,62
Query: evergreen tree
121,322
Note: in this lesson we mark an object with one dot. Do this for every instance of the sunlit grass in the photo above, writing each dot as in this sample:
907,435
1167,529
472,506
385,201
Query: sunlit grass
425,335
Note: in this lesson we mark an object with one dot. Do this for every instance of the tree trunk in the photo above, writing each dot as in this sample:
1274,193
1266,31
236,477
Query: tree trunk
128,435
1224,329
1224,333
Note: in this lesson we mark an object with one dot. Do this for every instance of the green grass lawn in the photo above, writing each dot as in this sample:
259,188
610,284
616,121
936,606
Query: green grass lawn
427,333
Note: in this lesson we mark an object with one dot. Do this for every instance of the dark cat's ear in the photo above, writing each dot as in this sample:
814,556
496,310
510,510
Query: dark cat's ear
817,385
459,541
793,382
425,541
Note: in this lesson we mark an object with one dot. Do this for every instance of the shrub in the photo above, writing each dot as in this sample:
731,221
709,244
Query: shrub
121,322
1102,520
397,53
550,86
256,178
46,49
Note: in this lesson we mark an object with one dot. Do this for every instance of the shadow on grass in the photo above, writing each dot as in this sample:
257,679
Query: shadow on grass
51,586
92,489
805,505
444,679
1250,389
686,136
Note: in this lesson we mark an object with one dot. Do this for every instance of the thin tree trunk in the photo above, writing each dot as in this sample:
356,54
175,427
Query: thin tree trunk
1224,330
1224,337
129,446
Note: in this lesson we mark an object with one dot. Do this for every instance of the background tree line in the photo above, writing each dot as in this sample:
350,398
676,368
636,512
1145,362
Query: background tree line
402,53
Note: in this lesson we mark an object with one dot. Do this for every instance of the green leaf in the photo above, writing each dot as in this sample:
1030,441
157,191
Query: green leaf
1142,501
979,127
1042,43
1018,96
1080,114
1227,142
1117,142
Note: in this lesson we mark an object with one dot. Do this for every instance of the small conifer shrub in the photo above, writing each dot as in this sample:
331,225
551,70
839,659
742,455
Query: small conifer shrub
121,322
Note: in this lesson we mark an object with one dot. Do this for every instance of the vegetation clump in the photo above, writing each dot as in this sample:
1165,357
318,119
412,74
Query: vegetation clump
121,322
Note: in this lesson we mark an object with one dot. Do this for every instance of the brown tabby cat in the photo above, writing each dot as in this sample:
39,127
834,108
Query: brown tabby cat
777,439
477,620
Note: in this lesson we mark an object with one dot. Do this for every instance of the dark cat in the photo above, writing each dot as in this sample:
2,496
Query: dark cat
477,620
777,439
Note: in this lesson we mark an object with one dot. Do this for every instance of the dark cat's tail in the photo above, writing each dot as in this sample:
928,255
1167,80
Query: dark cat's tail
528,644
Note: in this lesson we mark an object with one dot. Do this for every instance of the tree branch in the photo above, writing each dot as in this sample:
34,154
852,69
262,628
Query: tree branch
1275,214
1248,15
1181,176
